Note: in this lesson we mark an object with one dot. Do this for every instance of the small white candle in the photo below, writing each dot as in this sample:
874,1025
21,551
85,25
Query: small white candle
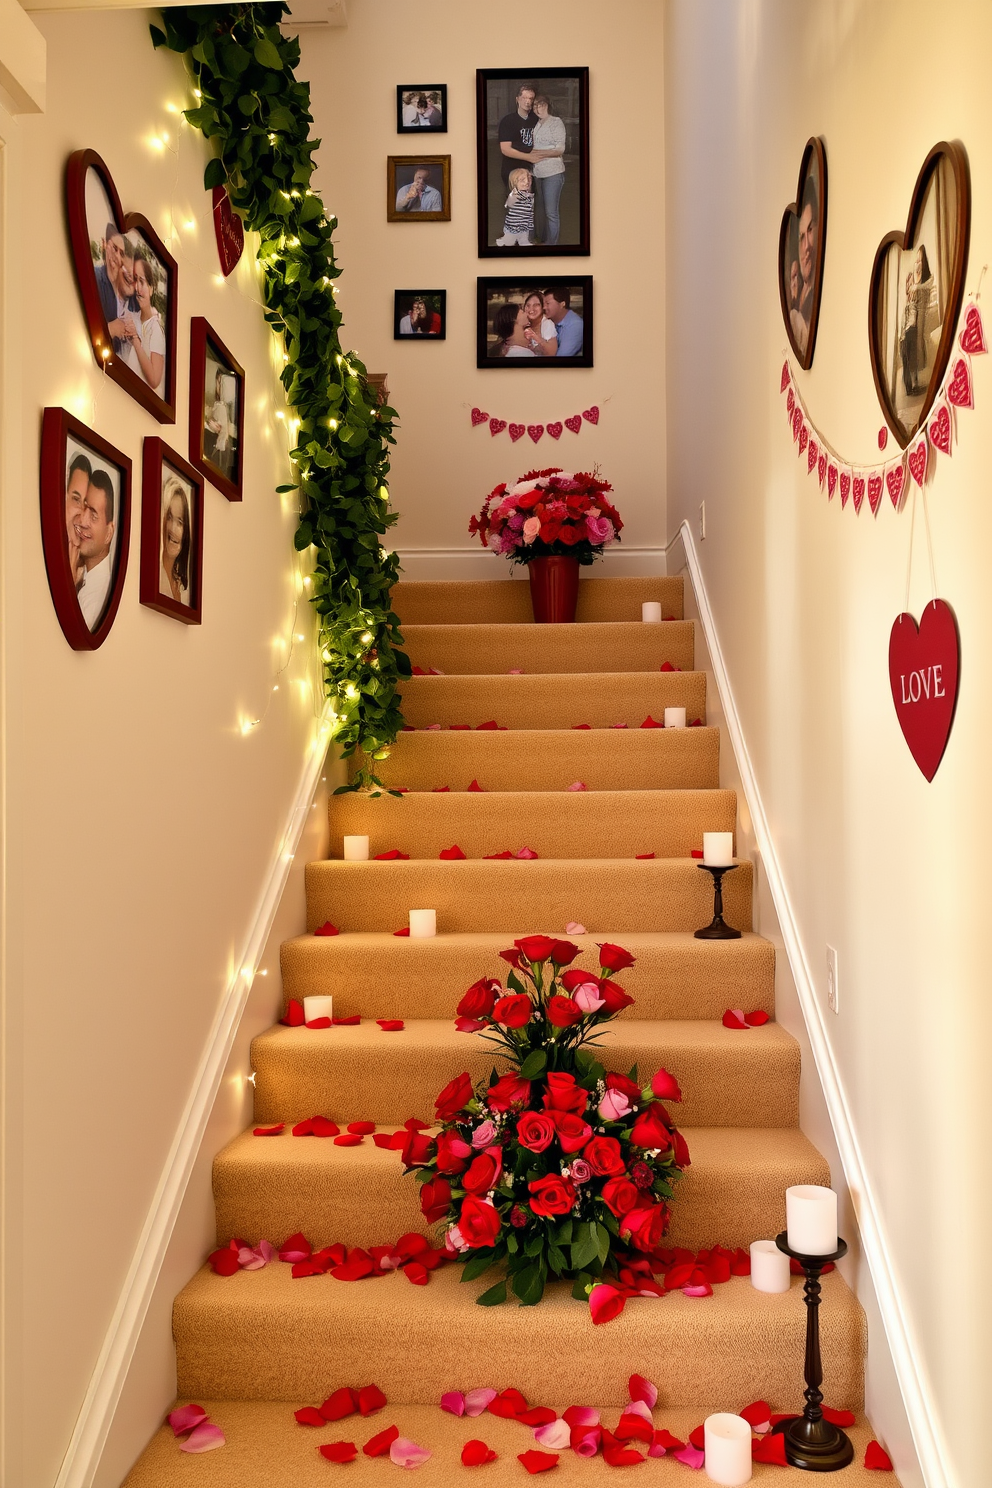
811,1219
718,848
356,849
675,718
423,923
769,1267
727,1447
318,1007
651,612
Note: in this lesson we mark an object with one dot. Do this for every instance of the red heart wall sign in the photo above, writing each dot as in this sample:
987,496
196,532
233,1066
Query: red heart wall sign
923,676
229,231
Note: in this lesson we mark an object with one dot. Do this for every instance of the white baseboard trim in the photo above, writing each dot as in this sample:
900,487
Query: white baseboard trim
418,565
906,1356
107,1381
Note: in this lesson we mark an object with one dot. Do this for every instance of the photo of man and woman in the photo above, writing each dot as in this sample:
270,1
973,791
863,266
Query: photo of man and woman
422,108
92,521
531,325
133,286
220,415
801,262
533,161
419,312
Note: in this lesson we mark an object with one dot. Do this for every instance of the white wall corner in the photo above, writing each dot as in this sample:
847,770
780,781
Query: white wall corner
23,60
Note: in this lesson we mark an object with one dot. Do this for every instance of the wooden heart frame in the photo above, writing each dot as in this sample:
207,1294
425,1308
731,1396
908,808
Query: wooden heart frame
80,163
954,154
158,461
814,158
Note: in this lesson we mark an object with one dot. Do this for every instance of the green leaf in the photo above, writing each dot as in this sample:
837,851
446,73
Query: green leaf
158,37
580,1287
563,1234
215,174
534,1064
535,1244
514,983
480,1262
528,1285
585,1245
267,55
556,1259
605,1240
495,1295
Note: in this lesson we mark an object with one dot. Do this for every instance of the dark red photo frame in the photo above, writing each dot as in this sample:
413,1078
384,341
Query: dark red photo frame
80,162
200,333
57,426
155,455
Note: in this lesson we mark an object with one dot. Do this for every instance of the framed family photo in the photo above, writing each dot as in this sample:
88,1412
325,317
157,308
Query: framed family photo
419,314
216,411
171,534
534,323
422,108
85,526
418,188
801,244
533,147
127,284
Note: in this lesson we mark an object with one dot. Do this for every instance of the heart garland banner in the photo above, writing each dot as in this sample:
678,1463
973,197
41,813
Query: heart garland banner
555,429
891,477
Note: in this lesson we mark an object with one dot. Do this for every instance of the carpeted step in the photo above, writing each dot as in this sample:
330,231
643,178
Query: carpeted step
268,1188
601,699
728,1077
383,976
620,646
267,1449
660,894
550,759
554,824
507,601
261,1335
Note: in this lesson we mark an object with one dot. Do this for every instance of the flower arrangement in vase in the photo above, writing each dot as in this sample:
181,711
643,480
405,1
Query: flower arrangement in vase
554,1167
553,520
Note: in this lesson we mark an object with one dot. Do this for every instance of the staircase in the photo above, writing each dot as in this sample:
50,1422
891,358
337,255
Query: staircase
254,1347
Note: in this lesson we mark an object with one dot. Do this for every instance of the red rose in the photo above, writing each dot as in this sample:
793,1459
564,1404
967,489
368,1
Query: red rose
650,1129
509,1090
483,1173
536,947
417,1149
528,499
550,531
564,1095
452,1153
604,1157
564,952
480,999
478,1222
569,535
551,1195
513,1011
665,1086
454,1097
535,1131
573,1132
576,977
614,997
626,1087
620,1196
563,1012
645,1227
435,1199
512,955
614,957
681,1150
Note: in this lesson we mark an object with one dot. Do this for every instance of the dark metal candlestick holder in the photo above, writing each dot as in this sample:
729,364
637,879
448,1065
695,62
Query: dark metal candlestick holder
811,1442
718,929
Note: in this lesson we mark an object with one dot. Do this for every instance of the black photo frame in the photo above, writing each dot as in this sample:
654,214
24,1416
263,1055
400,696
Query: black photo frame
409,111
574,291
420,314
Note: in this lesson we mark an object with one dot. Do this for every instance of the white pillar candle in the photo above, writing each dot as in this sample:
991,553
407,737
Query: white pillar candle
727,1449
769,1267
718,849
811,1219
318,1007
423,923
675,718
651,612
356,849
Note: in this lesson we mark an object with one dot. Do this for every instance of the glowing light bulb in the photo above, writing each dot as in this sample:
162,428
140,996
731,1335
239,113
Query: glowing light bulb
189,226
351,691
332,423
366,639
384,493
197,93
299,638
339,360
276,687
273,138
325,655
105,353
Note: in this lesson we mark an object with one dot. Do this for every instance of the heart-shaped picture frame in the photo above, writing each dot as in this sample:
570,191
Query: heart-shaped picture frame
127,282
801,245
917,282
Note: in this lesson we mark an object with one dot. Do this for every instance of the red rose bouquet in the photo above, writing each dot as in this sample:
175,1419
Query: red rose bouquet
548,512
555,1167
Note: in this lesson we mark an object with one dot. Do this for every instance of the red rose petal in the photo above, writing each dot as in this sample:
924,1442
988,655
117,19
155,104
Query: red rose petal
354,1269
338,1405
327,929
412,1244
538,1415
697,852
666,666
697,1438
733,1018
664,1438
758,1415
492,724
741,1264
371,1399
294,1016
339,1451
414,1123
582,725
439,790
451,854
310,1416
769,1448
475,1453
459,728
755,1019
322,1126
224,1261
650,722
404,931
475,786
876,1457
269,1131
380,1445
508,1404
363,1128
390,1025
349,1139
605,1302
416,1273
838,1417
390,1141
296,1248
538,1462
621,1456
494,857
348,1022
392,856
641,856
634,1428
319,1023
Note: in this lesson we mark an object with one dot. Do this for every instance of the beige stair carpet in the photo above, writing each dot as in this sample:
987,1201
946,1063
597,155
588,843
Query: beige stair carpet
498,602
601,699
600,647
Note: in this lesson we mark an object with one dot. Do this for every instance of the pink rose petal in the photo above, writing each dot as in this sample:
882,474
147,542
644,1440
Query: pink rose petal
515,672
581,1415
586,1440
406,1453
641,1408
453,1401
577,785
556,1435
526,853
476,1401
642,1389
705,1290
574,928
185,1417
203,1438
734,1018
691,1456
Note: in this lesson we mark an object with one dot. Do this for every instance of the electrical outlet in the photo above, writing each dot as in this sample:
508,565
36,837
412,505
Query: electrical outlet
833,997
702,521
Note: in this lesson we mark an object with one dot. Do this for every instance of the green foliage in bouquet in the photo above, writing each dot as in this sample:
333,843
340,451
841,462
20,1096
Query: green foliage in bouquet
555,1167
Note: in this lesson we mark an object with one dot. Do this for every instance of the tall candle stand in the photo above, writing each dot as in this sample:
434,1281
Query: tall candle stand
811,1442
718,929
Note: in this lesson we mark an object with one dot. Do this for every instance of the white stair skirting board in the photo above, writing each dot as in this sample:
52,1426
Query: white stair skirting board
907,1358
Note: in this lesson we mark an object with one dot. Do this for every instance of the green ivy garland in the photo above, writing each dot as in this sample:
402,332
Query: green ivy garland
252,104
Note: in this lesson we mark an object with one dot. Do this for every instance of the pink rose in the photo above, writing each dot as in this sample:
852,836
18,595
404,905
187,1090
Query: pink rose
454,1241
588,999
614,1106
484,1135
581,1171
600,529
532,527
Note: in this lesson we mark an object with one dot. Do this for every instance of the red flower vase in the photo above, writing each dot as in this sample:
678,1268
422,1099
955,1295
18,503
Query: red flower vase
554,589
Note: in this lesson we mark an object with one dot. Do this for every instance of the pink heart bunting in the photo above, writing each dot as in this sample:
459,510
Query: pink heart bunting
940,430
959,388
874,493
535,431
918,462
811,456
858,492
883,437
517,431
803,437
555,430
478,417
821,468
831,481
895,480
496,426
790,403
845,487
972,338
797,421
785,378
574,423
592,414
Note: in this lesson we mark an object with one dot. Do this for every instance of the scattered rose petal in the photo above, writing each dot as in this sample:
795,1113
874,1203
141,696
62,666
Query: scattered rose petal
225,1260
666,666
185,1417
319,1023
269,1131
390,1025
527,854
404,931
453,1401
316,1126
582,725
203,1438
875,1457
620,1456
734,1018
476,1401
339,1451
771,1449
640,1388
370,1399
538,1462
392,856
476,1453
469,1025
492,724
577,785
495,857
605,1302
294,1016
507,1404
379,1445
556,1435
691,1456
641,857
327,929
350,1022
650,722
363,1128
662,1442
538,1415
755,1019
452,854
581,1415
254,1257
338,1405
416,1273
586,1440
619,725
406,1453
633,1427
515,672
475,786
758,1416
697,852
296,1248
310,1416
574,928
838,1417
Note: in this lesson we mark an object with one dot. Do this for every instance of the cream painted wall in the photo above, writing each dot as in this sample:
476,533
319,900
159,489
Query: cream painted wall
879,864
140,824
443,467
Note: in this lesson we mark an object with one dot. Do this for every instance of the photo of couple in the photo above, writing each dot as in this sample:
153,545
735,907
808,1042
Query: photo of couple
419,313
92,521
530,326
133,286
220,414
533,162
421,108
